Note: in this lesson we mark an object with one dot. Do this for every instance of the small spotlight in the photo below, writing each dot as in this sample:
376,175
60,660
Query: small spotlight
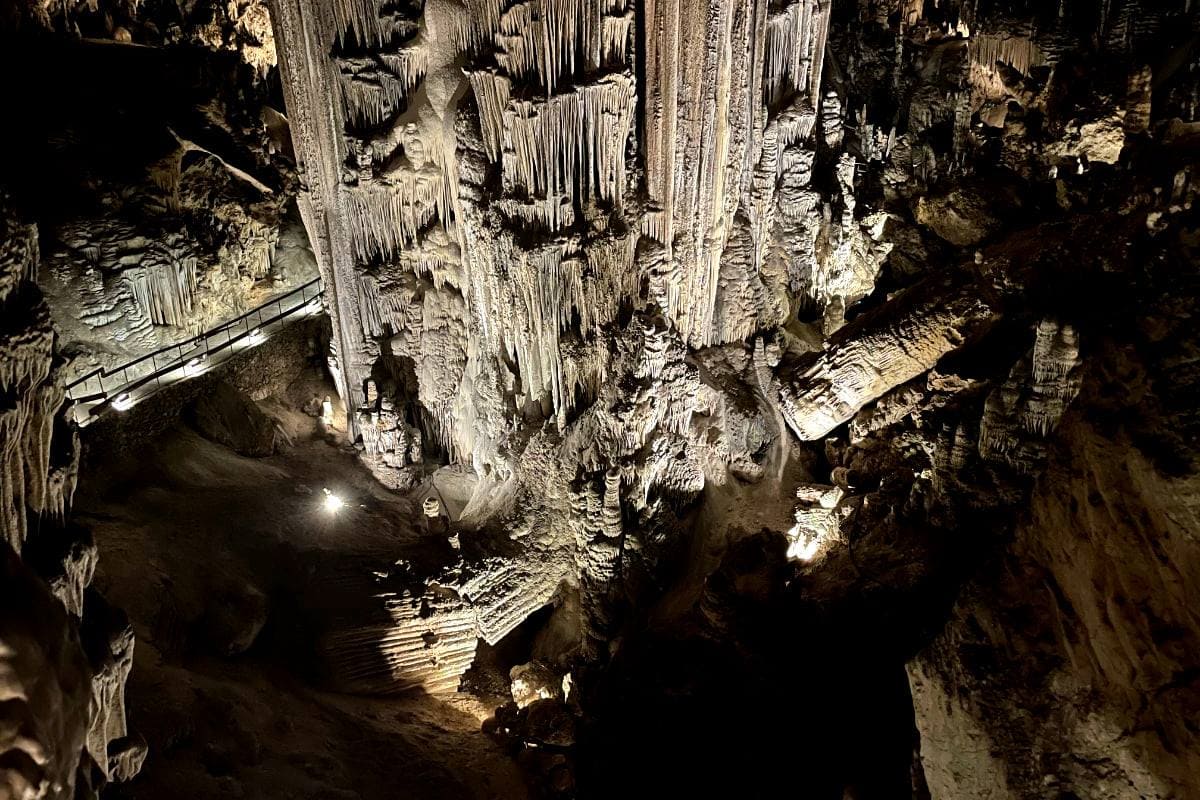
804,551
804,545
122,402
333,503
313,306
256,337
194,367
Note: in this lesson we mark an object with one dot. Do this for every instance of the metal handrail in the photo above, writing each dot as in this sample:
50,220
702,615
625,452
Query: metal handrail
97,386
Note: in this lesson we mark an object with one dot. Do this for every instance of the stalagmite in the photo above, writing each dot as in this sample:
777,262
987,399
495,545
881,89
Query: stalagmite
817,521
1026,409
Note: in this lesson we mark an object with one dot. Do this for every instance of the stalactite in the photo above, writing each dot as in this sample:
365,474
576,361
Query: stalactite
526,310
1018,52
372,23
795,49
373,90
547,42
571,145
616,39
36,479
165,291
492,92
387,217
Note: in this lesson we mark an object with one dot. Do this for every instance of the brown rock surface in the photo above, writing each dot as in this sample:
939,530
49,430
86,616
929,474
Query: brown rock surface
812,381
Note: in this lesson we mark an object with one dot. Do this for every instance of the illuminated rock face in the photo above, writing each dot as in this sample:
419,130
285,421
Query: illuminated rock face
904,284
507,243
609,254
522,205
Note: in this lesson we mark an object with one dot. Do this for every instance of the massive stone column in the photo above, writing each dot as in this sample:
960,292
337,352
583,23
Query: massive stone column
305,32
716,74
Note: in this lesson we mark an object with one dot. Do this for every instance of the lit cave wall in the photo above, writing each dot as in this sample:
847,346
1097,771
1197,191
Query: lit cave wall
695,397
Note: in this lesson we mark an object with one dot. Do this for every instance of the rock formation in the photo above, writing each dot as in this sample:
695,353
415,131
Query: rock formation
783,343
64,655
161,177
533,275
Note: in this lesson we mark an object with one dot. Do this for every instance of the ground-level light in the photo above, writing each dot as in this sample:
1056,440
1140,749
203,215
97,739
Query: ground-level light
804,548
333,503
123,402
194,367
255,337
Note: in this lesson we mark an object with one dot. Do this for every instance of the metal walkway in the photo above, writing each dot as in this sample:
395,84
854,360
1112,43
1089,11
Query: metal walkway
119,389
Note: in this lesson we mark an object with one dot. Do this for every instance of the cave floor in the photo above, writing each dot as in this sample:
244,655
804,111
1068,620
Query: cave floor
195,542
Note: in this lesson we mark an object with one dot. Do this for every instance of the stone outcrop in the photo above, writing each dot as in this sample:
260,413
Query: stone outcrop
63,659
749,320
228,417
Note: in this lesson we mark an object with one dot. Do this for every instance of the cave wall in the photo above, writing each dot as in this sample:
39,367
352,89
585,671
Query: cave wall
593,249
1068,666
911,272
64,654
1064,669
156,161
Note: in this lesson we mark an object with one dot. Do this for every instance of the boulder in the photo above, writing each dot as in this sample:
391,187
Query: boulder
233,619
228,417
